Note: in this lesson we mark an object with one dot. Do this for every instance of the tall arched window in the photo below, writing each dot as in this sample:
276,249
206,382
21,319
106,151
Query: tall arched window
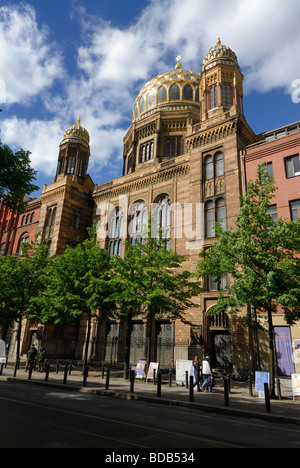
209,219
188,93
221,212
213,97
24,239
174,92
208,167
116,232
163,219
219,164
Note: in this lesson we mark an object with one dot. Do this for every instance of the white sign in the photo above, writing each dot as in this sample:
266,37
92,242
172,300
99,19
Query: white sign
295,379
181,367
2,352
153,366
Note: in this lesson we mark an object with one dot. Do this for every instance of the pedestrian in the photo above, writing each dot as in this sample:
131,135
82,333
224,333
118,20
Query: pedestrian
207,373
31,355
41,359
197,373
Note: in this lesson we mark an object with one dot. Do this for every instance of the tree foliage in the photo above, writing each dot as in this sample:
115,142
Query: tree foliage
16,177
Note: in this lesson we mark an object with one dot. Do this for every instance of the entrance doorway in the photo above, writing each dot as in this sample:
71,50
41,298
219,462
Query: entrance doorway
221,343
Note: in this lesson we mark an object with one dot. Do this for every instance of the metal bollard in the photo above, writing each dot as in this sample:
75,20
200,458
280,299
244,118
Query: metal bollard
85,375
30,370
226,392
267,397
250,386
278,389
107,379
65,374
191,388
154,376
47,370
132,377
170,378
1,368
187,379
159,384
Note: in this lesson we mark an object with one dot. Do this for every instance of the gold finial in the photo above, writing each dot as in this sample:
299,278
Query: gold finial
219,41
178,64
79,121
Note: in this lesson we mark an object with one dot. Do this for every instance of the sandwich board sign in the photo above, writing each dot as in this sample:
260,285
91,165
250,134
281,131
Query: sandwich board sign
260,379
140,369
153,365
2,352
182,366
295,379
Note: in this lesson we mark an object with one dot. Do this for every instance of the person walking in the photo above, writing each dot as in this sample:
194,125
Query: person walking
197,373
41,359
207,373
31,355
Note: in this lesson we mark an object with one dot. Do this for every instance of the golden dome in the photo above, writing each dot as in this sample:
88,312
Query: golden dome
220,53
77,132
176,86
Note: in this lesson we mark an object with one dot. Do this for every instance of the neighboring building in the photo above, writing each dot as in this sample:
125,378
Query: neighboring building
280,150
182,157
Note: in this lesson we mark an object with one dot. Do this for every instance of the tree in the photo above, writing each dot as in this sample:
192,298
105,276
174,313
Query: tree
16,177
150,281
21,278
75,287
262,259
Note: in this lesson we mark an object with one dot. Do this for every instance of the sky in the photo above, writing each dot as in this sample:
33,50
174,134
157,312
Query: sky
61,59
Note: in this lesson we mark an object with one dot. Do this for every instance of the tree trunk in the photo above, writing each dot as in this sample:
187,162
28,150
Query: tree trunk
87,343
272,353
127,344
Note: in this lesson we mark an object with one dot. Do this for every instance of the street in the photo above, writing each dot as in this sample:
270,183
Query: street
36,417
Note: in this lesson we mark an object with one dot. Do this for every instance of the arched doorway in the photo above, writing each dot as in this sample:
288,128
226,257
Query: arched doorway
220,341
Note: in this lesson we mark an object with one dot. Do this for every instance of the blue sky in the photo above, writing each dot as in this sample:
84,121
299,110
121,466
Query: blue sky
66,58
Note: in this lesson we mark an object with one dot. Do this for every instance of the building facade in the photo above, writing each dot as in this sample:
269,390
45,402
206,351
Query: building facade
187,156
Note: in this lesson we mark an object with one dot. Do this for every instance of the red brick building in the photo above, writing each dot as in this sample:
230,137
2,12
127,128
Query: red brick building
280,150
16,228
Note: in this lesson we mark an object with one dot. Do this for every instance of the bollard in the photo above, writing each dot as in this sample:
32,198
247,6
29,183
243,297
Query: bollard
250,386
47,370
85,375
278,389
191,388
57,366
159,384
65,374
30,370
267,397
170,378
187,379
107,379
1,368
16,368
132,377
70,367
226,392
154,376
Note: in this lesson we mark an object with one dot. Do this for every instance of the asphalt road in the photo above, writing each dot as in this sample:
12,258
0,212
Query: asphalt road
36,417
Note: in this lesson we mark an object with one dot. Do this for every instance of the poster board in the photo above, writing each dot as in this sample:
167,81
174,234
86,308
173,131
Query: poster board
152,366
2,352
140,369
181,367
295,380
260,379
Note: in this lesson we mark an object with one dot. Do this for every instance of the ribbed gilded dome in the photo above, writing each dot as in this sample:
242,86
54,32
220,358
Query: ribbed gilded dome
176,86
76,132
220,53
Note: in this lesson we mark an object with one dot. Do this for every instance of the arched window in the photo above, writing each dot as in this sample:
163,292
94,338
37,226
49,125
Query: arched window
213,97
174,92
209,219
32,217
163,219
219,164
71,165
226,94
142,104
116,232
138,225
221,212
161,94
151,98
24,239
208,167
188,93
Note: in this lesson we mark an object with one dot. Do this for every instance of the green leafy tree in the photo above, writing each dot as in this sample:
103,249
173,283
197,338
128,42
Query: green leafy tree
16,177
151,281
21,278
262,259
76,287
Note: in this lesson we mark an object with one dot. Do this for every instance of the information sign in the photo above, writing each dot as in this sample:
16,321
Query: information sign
153,365
2,352
295,378
181,367
260,379
140,369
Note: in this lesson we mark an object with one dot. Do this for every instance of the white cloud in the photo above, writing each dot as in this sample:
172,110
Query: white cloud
29,63
114,63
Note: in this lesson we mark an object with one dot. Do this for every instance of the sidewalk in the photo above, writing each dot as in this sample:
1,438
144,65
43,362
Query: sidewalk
239,403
